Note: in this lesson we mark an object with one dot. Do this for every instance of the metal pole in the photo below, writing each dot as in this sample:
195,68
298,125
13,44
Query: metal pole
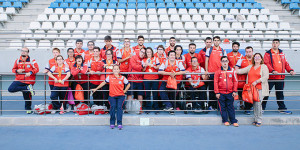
45,93
1,95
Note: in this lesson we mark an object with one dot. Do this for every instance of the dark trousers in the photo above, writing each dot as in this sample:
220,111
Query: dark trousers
212,95
18,86
59,93
116,103
96,95
86,93
166,96
227,108
151,85
104,96
198,95
248,106
279,95
51,87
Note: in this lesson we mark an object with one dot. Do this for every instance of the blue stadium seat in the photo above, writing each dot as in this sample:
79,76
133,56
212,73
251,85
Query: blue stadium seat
199,6
161,5
232,1
123,1
141,1
196,1
77,1
74,5
102,6
238,5
104,1
223,1
151,5
68,1
209,6
150,1
251,1
131,6
214,1
66,5
241,1
248,6
7,4
168,1
160,1
59,1
54,5
295,1
86,1
114,1
257,6
141,6
228,6
112,6
122,6
294,6
95,1
180,5
83,5
170,5
93,6
17,4
219,5
24,1
131,1
186,1
204,1
285,1
189,5
177,1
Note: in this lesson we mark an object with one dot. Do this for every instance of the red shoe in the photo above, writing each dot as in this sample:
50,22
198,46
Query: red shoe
177,108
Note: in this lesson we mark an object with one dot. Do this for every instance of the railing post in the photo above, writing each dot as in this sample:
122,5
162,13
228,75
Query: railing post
1,95
45,93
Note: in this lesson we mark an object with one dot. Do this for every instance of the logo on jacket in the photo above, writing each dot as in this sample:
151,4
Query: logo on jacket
120,82
28,66
230,75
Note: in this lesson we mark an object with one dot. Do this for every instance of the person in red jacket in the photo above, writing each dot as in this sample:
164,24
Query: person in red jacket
94,67
208,43
61,84
140,45
225,87
51,63
277,63
135,65
235,55
188,56
160,54
90,52
78,50
25,69
79,71
172,42
70,61
123,55
243,63
108,45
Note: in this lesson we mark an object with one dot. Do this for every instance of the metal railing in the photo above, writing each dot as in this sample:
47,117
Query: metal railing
182,98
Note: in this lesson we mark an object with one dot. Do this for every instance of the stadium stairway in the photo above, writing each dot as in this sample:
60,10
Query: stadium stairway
283,13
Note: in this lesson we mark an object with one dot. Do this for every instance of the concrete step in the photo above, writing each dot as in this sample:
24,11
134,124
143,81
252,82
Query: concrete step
137,120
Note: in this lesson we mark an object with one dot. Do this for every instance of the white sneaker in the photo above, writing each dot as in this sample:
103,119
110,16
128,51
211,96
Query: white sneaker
53,112
30,89
69,108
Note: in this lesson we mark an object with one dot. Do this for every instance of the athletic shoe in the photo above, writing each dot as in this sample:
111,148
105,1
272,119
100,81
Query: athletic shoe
235,124
120,127
172,112
30,89
53,112
69,108
112,126
28,112
258,124
157,112
226,124
168,108
247,112
286,112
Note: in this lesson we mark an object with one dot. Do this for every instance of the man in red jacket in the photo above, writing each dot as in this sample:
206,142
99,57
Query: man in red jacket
276,62
140,45
225,87
25,69
135,65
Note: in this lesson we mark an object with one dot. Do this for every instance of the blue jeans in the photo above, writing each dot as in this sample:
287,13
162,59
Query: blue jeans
61,94
151,85
18,86
167,95
279,95
200,94
227,108
116,103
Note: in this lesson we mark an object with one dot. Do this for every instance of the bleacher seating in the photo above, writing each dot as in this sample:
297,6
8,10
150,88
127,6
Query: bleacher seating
8,8
293,5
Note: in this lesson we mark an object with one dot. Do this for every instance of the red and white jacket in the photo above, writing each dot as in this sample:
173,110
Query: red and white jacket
225,81
29,65
135,65
80,69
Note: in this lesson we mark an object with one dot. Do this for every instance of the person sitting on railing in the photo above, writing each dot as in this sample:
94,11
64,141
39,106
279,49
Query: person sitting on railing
108,45
277,63
116,95
135,65
172,68
61,83
79,71
197,84
257,75
151,64
94,67
25,69
78,50
213,64
51,63
225,87
140,45
243,63
70,61
123,55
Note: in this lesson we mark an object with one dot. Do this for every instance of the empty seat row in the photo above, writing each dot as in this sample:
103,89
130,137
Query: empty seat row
8,10
155,1
16,4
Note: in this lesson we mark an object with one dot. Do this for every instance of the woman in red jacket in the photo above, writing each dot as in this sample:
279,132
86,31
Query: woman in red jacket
79,71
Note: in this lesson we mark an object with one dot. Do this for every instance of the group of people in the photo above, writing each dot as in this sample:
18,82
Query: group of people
108,74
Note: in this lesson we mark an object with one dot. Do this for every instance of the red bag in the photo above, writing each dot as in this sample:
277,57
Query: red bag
79,94
42,109
236,97
250,93
172,83
83,109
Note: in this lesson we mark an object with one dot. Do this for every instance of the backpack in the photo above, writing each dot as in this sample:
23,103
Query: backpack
42,109
98,109
83,109
79,94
